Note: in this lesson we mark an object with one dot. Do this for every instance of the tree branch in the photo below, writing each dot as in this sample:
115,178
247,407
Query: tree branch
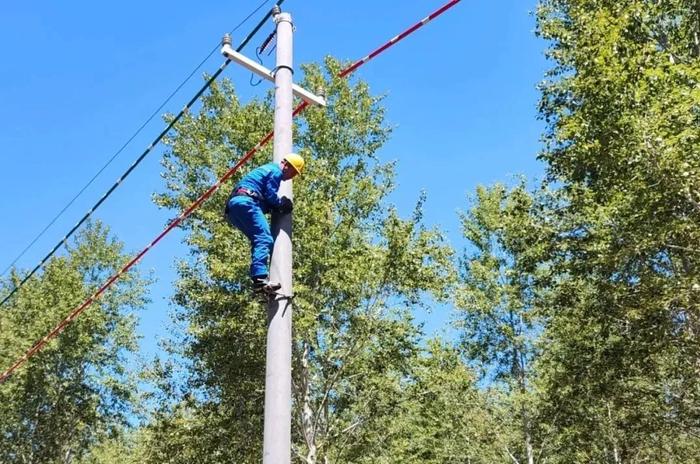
696,34
676,247
511,455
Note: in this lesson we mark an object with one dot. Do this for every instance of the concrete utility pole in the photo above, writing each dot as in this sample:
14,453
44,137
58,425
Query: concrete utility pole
277,440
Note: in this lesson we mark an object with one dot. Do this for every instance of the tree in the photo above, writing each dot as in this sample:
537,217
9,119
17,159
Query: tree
498,303
359,270
622,366
122,448
443,417
76,389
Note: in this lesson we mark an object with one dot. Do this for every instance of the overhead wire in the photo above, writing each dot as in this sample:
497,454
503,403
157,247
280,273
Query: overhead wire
259,50
119,151
139,159
204,196
252,76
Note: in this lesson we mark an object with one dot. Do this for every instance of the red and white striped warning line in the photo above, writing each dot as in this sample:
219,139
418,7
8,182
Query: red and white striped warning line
76,312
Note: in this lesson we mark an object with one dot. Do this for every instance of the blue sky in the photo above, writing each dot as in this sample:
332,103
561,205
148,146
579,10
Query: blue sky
78,78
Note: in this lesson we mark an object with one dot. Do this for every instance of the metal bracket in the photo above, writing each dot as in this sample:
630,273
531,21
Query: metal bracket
265,73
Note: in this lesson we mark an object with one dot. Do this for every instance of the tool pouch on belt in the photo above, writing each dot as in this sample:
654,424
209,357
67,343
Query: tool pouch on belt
237,191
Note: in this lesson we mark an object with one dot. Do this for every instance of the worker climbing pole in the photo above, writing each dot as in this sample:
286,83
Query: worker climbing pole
253,197
269,188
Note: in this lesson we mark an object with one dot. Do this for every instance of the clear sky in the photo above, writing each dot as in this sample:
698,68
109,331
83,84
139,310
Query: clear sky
78,78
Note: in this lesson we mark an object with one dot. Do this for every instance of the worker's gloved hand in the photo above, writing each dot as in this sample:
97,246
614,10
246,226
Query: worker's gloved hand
286,205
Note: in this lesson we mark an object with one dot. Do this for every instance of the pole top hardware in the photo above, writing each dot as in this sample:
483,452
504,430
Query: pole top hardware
282,17
226,40
265,73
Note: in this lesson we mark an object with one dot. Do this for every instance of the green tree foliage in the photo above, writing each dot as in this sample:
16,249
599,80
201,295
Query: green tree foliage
621,368
75,390
443,417
498,275
498,303
359,270
122,448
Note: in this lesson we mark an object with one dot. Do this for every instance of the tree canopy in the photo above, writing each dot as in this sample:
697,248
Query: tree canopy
575,300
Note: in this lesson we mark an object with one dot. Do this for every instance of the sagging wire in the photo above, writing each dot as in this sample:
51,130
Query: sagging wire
204,196
133,166
121,149
261,49
252,76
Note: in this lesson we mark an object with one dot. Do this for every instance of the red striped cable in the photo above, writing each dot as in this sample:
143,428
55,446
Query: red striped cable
76,312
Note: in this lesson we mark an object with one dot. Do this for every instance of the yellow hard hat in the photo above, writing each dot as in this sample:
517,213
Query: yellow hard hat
296,161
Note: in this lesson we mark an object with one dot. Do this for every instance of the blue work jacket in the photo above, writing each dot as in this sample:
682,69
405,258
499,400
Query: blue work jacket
265,182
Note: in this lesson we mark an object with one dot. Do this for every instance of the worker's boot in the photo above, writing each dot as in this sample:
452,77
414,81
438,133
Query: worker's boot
263,285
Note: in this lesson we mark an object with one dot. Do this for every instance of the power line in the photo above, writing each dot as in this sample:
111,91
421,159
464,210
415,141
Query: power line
203,197
140,158
138,131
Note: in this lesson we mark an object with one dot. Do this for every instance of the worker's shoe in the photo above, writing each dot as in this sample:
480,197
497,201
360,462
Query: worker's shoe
263,285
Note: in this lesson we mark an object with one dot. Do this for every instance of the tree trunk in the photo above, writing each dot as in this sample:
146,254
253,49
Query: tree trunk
68,458
519,370
528,445
616,451
616,455
307,410
696,34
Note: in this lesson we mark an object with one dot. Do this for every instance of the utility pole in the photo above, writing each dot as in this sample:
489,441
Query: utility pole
277,440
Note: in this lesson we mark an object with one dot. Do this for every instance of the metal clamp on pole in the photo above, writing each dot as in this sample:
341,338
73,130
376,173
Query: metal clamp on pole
291,70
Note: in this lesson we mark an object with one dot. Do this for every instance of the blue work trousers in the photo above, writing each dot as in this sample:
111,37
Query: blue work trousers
245,214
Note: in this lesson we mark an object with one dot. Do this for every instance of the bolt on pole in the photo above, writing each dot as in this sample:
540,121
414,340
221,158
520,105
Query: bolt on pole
278,369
